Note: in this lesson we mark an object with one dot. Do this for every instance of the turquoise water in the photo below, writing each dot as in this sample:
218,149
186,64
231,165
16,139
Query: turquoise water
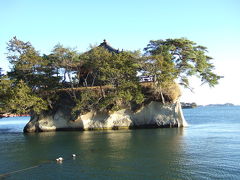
208,149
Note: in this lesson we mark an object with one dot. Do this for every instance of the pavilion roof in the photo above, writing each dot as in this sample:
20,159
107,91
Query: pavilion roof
105,45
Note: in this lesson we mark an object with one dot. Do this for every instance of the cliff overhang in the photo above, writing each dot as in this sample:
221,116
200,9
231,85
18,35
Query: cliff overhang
153,115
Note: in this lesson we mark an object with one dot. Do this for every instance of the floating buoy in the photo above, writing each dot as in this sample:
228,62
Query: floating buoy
60,159
73,155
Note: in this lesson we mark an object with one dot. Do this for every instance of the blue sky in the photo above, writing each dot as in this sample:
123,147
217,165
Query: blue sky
130,25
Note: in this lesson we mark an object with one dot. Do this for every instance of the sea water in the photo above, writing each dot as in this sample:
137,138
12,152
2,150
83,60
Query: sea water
208,149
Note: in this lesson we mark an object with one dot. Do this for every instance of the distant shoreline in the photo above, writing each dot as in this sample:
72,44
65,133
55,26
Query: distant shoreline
225,104
6,115
194,105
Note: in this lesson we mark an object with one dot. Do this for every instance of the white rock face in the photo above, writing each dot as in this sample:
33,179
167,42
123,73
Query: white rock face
154,114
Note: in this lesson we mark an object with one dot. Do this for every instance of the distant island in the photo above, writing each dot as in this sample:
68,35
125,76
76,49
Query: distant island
188,105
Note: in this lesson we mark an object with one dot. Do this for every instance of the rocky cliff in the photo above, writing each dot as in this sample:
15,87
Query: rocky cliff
154,114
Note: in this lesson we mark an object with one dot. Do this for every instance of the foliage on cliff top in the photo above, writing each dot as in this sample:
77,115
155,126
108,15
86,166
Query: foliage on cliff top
18,97
169,92
183,58
35,80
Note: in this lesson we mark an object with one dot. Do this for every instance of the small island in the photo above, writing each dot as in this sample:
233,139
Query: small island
102,88
188,105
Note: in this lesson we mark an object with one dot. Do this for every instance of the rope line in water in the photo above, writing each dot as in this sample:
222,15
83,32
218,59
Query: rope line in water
13,172
32,167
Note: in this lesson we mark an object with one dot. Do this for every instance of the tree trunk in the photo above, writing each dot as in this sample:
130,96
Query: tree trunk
72,86
102,92
163,100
